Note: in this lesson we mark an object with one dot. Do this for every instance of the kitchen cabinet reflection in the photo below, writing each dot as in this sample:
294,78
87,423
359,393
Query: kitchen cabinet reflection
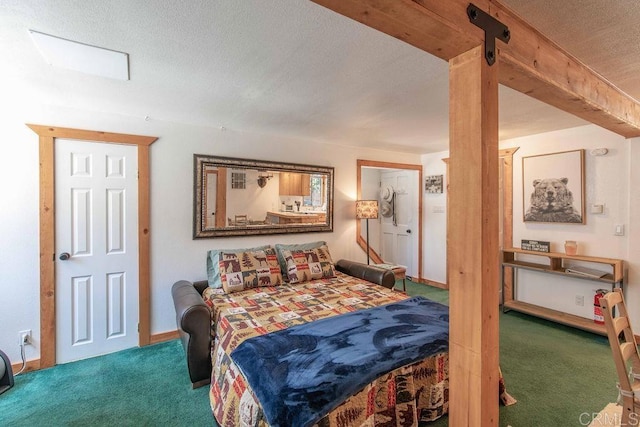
234,197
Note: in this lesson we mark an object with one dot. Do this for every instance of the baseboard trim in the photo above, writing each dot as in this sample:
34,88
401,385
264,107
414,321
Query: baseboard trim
432,283
164,336
32,365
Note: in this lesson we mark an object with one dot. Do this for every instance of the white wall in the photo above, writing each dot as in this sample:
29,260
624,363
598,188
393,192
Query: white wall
174,255
606,182
434,221
610,180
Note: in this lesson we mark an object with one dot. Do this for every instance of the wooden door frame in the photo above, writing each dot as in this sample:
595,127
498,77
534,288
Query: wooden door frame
506,155
221,196
388,165
47,139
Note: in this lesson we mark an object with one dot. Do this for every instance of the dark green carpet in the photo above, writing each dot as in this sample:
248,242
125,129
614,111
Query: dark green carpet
556,373
559,375
138,387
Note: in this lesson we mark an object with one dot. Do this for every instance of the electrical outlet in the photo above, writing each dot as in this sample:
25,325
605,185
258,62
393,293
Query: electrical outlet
25,337
580,300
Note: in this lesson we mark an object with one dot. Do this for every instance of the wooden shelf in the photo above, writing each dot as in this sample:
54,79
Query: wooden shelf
554,264
607,278
556,316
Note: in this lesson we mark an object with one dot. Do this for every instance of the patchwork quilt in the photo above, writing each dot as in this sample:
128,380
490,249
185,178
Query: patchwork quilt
406,396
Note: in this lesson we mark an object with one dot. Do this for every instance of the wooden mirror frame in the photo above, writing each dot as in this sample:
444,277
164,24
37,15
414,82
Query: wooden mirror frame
202,161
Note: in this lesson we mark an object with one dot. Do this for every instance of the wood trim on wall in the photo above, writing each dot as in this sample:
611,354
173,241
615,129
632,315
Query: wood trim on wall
32,365
47,138
47,253
506,155
389,165
221,198
144,246
446,276
375,257
164,336
431,283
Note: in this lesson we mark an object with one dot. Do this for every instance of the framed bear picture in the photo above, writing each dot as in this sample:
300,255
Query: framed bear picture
553,188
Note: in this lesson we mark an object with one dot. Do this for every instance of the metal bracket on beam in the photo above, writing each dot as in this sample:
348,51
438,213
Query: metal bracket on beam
492,29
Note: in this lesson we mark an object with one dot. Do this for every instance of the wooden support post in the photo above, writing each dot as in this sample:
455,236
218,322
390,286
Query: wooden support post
473,241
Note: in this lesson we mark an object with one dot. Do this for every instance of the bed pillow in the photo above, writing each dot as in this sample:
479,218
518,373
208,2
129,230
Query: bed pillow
213,263
308,264
294,247
249,269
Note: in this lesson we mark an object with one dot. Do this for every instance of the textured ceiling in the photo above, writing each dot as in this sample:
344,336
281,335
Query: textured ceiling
605,35
289,67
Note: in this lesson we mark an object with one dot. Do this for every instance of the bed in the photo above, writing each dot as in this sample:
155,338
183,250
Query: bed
242,336
405,396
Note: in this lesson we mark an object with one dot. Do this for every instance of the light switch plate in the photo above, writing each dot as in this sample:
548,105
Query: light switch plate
597,209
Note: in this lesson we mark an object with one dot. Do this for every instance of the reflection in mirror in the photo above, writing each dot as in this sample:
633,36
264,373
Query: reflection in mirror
239,197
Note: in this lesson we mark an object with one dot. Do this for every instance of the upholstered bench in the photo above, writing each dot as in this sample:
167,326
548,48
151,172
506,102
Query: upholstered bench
399,271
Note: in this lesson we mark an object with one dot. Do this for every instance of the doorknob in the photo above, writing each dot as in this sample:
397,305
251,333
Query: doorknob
64,256
408,231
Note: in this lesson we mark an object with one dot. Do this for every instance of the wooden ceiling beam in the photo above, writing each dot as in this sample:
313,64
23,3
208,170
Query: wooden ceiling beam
536,66
423,26
530,63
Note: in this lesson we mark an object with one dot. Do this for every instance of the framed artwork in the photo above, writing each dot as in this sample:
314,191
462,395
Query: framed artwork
433,184
553,188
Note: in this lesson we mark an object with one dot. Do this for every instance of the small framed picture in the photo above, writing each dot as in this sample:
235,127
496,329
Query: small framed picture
535,245
553,188
433,184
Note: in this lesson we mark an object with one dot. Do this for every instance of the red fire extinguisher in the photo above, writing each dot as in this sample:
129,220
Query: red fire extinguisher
597,309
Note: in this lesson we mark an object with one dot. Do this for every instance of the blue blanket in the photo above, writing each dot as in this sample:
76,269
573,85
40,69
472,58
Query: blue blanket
301,373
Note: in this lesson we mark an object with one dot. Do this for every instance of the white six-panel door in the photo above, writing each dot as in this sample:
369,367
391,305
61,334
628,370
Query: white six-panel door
96,189
399,241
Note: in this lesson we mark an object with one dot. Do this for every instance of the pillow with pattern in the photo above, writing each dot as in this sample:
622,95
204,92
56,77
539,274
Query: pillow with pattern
280,247
304,265
249,269
213,264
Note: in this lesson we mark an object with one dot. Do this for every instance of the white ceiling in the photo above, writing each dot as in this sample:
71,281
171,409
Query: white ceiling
290,67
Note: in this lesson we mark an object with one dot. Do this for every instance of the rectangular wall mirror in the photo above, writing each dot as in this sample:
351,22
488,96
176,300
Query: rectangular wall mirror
241,197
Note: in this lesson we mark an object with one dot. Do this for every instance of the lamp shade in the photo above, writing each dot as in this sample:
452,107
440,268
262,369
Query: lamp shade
366,209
